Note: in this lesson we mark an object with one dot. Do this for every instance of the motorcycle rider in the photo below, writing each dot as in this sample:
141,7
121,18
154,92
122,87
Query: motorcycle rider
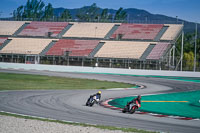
138,98
97,96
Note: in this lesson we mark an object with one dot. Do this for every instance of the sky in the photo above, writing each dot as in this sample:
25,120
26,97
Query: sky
184,9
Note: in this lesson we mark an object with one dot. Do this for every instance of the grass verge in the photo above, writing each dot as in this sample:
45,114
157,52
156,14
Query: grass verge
79,124
9,81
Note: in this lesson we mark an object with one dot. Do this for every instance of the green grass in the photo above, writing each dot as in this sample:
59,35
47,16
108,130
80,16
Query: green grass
10,81
80,124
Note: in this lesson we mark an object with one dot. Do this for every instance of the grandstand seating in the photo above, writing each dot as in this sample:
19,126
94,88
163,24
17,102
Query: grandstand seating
74,47
10,27
89,30
138,31
122,49
31,46
158,51
172,31
136,41
2,40
43,28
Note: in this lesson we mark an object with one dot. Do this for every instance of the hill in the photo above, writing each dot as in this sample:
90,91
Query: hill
138,16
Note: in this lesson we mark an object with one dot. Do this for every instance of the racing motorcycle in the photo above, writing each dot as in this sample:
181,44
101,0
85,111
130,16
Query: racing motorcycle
92,100
131,108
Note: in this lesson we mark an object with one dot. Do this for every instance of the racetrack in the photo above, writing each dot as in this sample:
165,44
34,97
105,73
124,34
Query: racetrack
68,105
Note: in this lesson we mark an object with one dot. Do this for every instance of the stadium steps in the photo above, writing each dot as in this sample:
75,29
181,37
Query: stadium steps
64,30
147,52
96,49
5,43
46,49
109,34
160,33
20,29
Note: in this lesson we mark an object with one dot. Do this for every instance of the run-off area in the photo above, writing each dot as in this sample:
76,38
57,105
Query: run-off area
184,104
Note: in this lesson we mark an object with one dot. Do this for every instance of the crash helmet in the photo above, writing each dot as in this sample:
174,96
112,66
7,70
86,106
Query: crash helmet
139,96
99,92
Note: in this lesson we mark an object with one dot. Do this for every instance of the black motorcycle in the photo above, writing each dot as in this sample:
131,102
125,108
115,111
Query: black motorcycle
91,101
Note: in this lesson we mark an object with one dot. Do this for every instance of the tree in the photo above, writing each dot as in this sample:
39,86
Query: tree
105,16
88,13
48,12
188,44
188,50
120,14
27,11
17,14
188,59
33,9
66,15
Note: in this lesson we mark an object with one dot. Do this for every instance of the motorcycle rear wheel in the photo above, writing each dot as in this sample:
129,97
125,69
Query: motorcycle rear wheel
91,104
123,111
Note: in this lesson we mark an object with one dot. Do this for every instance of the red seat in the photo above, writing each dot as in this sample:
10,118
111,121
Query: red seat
42,28
75,47
2,40
138,31
158,51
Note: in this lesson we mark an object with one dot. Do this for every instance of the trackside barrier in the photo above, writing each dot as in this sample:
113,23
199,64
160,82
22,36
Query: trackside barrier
59,68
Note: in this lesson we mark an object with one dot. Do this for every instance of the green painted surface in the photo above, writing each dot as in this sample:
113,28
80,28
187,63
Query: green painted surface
184,109
135,86
187,79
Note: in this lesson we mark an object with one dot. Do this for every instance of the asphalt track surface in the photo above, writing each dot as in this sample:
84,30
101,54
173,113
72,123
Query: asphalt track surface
69,105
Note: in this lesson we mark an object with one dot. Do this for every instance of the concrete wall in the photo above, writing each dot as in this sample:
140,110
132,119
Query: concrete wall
59,68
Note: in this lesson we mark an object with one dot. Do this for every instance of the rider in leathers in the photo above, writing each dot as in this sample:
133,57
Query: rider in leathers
138,98
98,96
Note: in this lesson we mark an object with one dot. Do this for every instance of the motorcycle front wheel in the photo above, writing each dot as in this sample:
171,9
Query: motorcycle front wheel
132,110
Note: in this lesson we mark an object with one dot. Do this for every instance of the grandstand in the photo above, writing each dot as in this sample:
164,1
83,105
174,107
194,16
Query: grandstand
10,27
2,40
122,49
137,31
48,29
79,43
89,30
172,32
73,47
158,51
31,46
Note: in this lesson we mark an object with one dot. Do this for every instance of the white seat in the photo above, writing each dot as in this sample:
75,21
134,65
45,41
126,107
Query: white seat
26,46
122,49
10,27
172,32
93,30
